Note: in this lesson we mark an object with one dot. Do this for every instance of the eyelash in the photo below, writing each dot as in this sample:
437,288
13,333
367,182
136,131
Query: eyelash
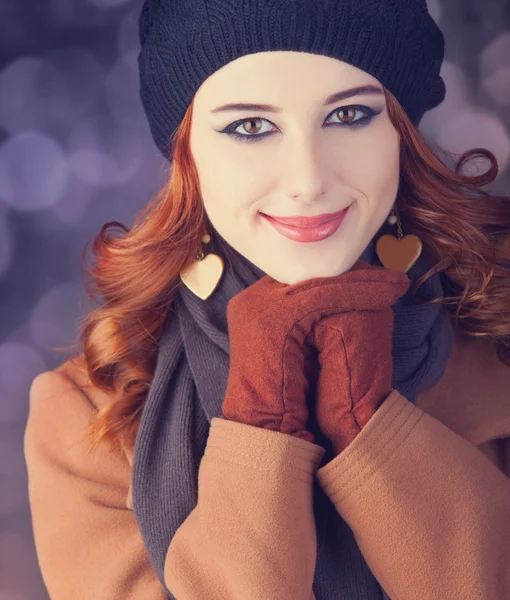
230,129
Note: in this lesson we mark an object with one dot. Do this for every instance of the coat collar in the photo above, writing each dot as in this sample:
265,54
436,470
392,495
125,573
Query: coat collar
473,396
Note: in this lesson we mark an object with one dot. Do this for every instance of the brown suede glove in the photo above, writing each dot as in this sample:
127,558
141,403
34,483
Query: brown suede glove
354,348
270,327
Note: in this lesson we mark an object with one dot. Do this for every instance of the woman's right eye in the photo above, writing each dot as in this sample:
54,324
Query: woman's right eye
251,127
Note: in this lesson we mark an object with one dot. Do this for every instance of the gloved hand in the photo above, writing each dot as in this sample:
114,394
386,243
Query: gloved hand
354,346
268,326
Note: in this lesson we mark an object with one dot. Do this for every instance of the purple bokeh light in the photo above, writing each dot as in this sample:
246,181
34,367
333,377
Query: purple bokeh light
33,171
54,320
6,243
104,152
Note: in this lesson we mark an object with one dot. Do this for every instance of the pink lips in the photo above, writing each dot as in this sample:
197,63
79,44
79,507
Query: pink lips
308,229
308,221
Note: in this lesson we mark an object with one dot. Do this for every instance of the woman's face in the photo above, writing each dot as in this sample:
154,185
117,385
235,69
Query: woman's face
300,158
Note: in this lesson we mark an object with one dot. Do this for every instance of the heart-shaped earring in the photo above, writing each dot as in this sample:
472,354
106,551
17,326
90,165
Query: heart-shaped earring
203,275
398,254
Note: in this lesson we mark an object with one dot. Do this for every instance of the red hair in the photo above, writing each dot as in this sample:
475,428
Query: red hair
465,233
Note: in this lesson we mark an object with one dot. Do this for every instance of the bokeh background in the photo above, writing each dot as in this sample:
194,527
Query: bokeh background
76,152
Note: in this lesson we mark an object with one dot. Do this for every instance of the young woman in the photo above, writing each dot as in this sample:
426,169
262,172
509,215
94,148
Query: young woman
316,408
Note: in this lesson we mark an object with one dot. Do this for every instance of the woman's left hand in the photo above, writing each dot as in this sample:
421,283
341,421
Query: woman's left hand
355,352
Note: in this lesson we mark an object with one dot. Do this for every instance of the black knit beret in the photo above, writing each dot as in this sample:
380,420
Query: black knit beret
183,42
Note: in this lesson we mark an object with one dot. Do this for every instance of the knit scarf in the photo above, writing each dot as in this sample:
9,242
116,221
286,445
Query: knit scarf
187,391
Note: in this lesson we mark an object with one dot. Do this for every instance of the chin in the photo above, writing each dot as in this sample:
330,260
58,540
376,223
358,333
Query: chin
293,277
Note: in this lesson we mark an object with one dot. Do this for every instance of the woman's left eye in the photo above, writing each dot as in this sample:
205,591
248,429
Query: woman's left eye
346,114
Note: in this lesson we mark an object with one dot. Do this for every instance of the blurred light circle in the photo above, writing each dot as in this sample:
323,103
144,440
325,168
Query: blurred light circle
108,3
84,79
64,12
15,551
50,93
54,320
122,98
6,595
6,185
495,55
89,166
458,96
11,453
127,38
104,151
75,201
6,245
476,128
20,363
10,541
497,85
77,14
34,171
28,86
13,499
131,197
457,84
435,9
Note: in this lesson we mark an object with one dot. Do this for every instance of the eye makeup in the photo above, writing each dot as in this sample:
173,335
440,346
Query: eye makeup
354,124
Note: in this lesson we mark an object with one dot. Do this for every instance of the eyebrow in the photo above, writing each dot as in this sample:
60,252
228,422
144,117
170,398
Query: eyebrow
357,91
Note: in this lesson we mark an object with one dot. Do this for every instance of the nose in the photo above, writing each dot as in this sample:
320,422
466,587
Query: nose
304,177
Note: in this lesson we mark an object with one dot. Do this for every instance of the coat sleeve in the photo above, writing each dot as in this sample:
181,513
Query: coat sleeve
251,535
430,511
87,540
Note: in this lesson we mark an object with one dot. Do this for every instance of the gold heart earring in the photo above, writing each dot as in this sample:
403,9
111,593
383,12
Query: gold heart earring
203,274
398,254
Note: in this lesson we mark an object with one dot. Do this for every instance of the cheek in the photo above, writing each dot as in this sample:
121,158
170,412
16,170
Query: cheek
225,167
233,191
375,165
225,199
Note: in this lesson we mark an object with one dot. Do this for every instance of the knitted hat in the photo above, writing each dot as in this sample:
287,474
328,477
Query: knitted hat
183,42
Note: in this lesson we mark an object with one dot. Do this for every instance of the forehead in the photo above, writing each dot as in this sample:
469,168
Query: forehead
279,76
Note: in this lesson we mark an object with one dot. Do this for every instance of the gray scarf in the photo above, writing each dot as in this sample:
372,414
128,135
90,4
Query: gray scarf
187,391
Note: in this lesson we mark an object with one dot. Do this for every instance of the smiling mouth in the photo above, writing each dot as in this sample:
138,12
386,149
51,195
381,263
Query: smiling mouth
314,233
307,222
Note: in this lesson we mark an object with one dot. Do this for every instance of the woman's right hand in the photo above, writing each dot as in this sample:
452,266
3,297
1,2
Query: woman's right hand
268,323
